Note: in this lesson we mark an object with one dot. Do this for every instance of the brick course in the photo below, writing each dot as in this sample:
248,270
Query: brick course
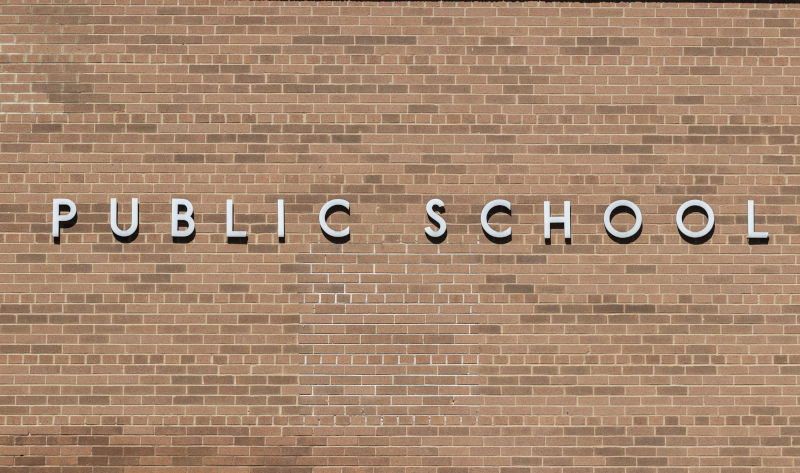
390,353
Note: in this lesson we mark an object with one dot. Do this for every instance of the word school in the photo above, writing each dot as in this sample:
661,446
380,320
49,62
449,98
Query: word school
183,211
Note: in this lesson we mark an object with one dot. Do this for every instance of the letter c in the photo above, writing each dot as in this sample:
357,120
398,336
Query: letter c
323,213
485,218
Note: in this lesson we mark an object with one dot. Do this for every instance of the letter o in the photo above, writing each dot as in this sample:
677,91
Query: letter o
682,210
622,204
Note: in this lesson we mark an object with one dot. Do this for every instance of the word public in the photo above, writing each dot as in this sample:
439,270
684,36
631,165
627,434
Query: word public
182,218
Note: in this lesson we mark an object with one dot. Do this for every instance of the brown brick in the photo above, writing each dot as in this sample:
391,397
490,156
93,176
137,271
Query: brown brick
390,352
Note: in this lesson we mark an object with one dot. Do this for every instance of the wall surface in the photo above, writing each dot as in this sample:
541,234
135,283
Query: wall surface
390,353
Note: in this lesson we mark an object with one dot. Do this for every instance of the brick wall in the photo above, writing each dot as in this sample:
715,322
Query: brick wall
390,353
